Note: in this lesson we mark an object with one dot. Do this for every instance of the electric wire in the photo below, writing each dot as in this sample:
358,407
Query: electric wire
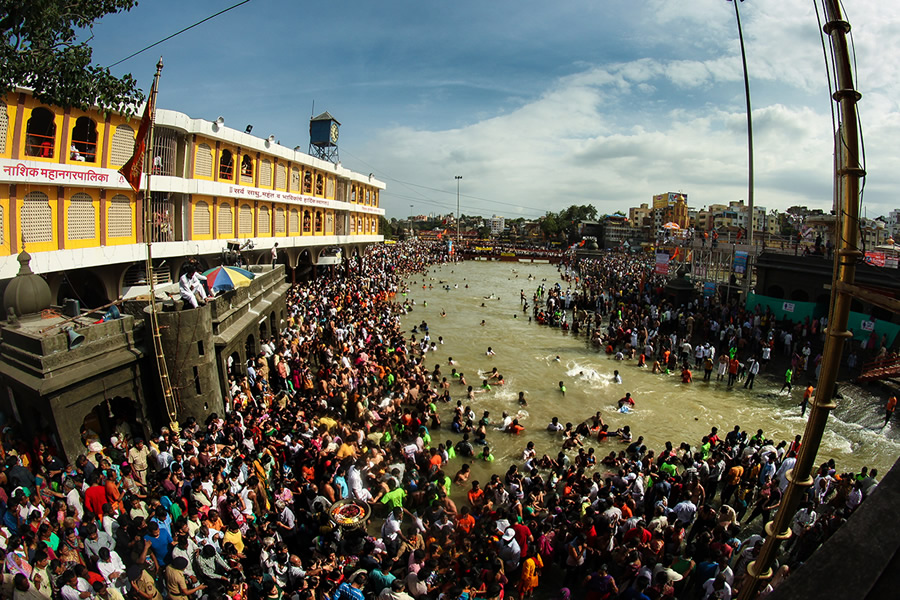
165,39
451,192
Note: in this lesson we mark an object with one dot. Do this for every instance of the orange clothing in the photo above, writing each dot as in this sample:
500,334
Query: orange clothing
466,524
892,403
476,497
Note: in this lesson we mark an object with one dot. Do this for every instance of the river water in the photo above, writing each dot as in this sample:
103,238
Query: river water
666,409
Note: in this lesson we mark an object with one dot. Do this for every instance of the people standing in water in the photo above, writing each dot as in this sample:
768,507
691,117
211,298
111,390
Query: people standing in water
807,395
889,409
788,375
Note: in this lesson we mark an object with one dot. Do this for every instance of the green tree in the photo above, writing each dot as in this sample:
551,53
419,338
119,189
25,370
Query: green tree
549,225
39,50
385,227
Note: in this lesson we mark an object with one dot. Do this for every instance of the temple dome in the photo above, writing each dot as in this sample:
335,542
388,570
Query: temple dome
28,292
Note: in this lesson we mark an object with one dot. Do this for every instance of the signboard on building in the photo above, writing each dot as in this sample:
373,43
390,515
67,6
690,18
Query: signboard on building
740,262
876,259
788,307
662,263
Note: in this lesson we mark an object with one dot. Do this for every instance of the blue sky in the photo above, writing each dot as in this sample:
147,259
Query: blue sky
537,105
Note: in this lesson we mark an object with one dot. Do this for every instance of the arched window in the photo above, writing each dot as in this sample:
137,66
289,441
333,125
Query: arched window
245,220
279,220
246,169
352,223
319,222
294,221
265,173
367,196
329,188
81,224
40,133
226,165
263,220
36,218
280,176
225,220
120,220
352,193
295,179
320,184
122,145
84,140
4,125
2,225
202,224
307,222
307,182
204,161
329,222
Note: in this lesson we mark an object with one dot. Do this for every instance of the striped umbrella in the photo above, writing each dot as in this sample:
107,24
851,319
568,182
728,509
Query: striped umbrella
220,279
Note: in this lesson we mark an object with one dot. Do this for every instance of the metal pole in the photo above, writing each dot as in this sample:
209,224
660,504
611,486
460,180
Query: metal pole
457,177
737,15
847,181
171,403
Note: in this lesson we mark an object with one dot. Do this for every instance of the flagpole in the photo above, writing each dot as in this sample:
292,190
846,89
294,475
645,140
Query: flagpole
162,369
747,272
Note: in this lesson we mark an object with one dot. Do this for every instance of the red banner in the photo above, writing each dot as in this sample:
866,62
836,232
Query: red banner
132,170
875,258
662,264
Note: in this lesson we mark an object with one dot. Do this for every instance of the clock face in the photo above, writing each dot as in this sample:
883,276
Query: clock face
334,133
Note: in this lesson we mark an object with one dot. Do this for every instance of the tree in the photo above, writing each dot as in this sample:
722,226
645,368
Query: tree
549,225
39,50
385,227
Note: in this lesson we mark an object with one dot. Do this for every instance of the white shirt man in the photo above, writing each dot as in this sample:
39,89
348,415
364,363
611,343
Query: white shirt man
190,284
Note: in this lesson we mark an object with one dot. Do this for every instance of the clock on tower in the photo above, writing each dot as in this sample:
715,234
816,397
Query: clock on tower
323,137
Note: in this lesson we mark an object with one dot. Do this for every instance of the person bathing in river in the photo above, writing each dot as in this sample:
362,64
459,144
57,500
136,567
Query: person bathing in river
627,401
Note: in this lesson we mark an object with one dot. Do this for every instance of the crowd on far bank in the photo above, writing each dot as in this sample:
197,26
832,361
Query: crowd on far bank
340,405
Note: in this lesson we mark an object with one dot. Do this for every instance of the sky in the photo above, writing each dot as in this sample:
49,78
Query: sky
537,105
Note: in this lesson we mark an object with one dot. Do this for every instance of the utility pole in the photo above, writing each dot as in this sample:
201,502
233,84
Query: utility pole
848,174
747,273
457,178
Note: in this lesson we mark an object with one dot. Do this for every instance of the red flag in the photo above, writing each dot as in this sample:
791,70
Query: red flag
131,170
674,256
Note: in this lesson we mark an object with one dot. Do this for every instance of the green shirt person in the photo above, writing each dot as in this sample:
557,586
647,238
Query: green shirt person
486,455
394,498
669,468
787,380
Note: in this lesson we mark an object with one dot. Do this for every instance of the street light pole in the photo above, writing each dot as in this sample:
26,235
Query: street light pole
747,271
457,178
410,220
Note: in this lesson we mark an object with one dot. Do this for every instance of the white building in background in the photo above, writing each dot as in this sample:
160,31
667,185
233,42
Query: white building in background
893,221
498,224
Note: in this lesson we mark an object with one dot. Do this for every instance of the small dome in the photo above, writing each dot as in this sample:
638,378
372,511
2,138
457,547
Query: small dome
27,293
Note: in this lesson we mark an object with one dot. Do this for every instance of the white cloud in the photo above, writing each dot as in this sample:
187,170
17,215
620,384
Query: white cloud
614,134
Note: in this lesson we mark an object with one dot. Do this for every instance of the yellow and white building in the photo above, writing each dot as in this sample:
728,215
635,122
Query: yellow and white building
62,197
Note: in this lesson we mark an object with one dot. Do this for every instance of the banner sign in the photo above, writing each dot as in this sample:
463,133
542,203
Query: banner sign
876,259
662,264
740,262
788,307
709,289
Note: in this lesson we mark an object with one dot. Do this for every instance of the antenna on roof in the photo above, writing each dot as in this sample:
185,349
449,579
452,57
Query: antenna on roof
312,111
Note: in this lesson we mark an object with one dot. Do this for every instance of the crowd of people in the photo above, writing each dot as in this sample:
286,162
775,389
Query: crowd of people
341,405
